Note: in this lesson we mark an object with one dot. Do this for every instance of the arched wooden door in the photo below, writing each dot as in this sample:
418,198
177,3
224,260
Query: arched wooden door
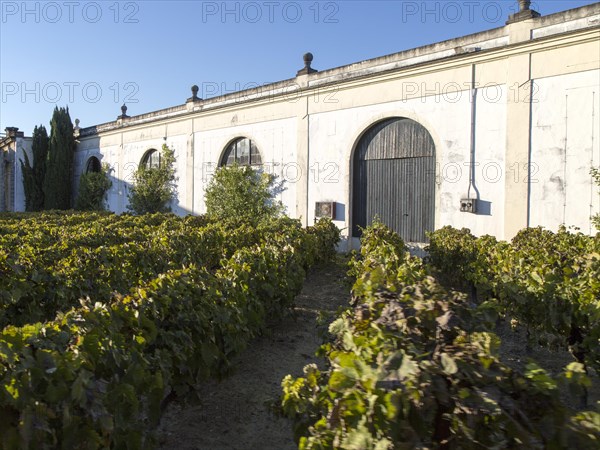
394,178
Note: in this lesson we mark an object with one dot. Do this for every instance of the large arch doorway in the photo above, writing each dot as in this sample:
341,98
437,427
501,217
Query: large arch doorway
394,179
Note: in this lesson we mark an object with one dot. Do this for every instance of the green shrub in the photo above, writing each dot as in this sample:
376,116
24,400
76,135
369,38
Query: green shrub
154,188
95,376
93,187
328,235
413,365
596,176
242,194
547,281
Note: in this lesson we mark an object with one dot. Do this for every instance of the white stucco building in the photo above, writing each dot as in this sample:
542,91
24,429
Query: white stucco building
508,119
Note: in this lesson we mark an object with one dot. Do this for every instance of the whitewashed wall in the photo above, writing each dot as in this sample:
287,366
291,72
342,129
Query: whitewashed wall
565,145
308,140
23,146
335,134
125,158
276,142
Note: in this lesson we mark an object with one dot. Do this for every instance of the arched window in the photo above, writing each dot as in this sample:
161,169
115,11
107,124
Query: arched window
93,165
242,151
151,159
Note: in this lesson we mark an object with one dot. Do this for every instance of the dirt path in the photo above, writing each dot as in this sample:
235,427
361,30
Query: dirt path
234,413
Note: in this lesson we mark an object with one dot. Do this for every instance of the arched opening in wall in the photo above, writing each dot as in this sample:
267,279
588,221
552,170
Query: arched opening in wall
394,179
93,165
242,151
151,159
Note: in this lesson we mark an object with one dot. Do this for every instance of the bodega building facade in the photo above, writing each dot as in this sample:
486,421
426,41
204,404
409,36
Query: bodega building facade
494,131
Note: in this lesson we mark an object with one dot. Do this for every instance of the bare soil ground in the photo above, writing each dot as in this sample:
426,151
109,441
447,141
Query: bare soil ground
236,413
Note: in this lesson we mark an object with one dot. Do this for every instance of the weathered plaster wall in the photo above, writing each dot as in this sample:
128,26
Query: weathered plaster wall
522,123
12,152
276,142
23,146
335,134
565,145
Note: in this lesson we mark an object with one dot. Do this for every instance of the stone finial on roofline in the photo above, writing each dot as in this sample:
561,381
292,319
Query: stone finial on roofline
194,97
525,12
308,57
77,129
123,112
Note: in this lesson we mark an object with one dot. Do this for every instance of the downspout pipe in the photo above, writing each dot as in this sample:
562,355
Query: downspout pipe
473,136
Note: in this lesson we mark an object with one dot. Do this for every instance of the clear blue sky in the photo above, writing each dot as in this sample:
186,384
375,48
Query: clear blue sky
93,56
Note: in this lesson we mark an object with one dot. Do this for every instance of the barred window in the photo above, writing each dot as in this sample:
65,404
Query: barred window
151,159
242,151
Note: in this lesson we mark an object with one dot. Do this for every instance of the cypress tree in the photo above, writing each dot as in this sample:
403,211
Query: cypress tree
59,164
33,174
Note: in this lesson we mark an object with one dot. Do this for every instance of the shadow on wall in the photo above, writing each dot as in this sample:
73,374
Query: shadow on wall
340,212
484,208
122,184
117,197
